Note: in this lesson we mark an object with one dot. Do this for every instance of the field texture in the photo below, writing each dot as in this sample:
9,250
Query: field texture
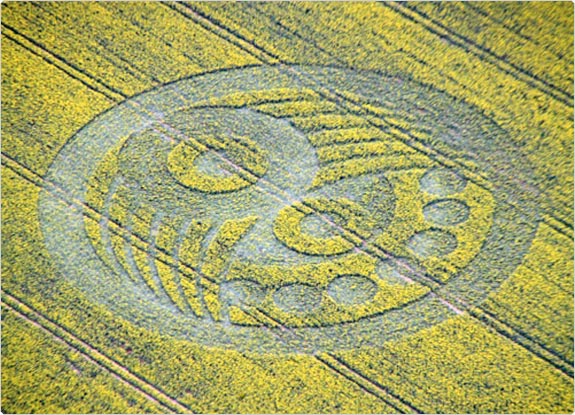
287,207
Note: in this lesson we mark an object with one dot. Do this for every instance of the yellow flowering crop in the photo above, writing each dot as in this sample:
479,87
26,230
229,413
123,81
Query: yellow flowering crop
306,207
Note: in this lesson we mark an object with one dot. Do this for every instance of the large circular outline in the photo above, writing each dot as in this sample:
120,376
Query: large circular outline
370,331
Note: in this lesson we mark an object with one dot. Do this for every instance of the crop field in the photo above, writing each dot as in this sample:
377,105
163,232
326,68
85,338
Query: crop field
287,207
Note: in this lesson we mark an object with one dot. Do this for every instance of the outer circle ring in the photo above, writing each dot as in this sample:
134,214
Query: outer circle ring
510,237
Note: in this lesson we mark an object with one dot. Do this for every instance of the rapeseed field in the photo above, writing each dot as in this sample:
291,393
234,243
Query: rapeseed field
287,207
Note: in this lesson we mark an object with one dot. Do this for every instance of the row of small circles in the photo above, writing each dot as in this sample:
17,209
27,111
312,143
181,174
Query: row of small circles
444,211
346,290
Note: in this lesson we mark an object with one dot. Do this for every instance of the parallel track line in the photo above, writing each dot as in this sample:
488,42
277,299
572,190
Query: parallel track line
136,382
253,46
457,39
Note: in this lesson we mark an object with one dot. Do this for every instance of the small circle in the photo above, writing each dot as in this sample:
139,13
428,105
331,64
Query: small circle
352,289
442,182
241,292
297,298
432,243
390,273
446,212
212,164
320,226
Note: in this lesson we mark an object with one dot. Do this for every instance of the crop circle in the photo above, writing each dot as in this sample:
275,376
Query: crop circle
217,210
